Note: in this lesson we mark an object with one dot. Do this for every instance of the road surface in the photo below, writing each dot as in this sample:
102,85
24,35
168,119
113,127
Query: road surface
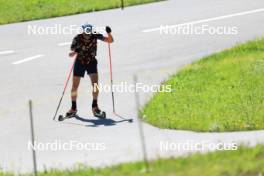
35,67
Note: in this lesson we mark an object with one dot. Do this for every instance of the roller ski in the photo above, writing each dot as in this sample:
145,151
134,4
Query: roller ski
98,113
70,114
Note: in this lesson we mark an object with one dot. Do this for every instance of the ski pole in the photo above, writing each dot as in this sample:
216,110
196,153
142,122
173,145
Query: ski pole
65,86
111,77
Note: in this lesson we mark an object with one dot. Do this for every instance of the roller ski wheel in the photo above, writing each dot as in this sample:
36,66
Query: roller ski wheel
98,113
71,113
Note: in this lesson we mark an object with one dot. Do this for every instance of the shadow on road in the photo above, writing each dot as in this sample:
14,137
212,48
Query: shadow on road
99,122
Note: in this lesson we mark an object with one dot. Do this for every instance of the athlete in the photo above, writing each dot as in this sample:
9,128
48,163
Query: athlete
84,47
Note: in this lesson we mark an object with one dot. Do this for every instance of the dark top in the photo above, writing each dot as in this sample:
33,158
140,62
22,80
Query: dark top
86,47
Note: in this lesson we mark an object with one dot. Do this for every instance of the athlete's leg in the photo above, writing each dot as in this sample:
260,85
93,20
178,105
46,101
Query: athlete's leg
94,81
96,111
74,91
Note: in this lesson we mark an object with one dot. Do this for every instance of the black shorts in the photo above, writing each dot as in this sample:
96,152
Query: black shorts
79,68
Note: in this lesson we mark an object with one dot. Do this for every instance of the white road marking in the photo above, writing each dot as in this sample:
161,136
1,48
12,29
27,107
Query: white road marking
7,52
209,19
64,44
27,59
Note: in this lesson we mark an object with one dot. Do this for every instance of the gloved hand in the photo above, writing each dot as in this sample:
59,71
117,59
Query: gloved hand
71,54
108,29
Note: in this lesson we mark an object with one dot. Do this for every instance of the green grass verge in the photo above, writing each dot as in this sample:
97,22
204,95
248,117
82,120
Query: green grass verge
221,92
242,162
23,10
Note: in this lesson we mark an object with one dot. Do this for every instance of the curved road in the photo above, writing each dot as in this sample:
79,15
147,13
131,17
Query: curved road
35,67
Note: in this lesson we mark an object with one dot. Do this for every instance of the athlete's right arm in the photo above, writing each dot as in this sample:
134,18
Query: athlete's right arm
74,46
72,53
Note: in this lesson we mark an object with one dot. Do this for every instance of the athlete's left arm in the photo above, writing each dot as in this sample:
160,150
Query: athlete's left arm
109,38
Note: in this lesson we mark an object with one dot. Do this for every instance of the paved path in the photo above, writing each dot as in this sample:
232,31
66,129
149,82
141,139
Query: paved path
35,67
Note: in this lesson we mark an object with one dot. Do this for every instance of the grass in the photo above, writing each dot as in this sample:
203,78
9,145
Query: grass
23,10
221,92
242,162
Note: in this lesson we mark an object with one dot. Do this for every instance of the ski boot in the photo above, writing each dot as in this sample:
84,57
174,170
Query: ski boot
71,113
98,113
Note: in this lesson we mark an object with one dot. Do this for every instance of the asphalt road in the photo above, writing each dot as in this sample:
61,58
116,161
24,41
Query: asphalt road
35,67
